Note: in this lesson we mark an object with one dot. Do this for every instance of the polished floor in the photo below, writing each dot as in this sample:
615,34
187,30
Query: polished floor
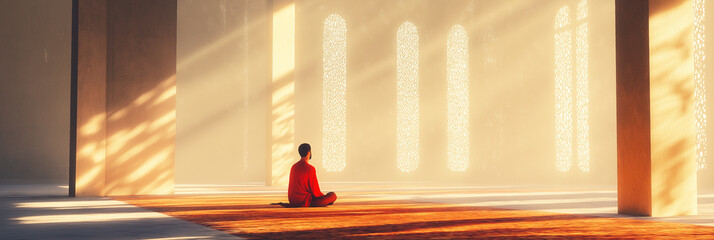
57,217
363,210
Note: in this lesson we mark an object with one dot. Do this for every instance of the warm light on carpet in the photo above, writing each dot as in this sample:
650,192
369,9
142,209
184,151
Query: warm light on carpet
352,217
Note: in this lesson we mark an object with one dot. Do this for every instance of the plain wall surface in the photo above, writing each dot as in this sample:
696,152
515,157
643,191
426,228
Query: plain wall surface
35,56
223,75
512,89
141,97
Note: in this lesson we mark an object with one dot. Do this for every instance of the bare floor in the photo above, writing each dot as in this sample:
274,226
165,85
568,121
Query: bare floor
41,211
26,213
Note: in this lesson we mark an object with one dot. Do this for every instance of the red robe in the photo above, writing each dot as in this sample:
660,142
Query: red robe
303,184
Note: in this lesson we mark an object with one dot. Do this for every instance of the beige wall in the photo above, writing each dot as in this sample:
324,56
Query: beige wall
126,98
706,176
223,74
511,90
90,164
511,49
34,90
141,97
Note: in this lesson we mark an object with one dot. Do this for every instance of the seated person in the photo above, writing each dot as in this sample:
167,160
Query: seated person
304,190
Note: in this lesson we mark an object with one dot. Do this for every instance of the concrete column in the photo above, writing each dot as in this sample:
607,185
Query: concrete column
125,97
655,108
91,97
141,97
283,152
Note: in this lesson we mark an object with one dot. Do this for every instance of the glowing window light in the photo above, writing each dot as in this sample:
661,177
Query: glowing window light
563,91
457,69
407,97
334,63
564,98
700,112
583,88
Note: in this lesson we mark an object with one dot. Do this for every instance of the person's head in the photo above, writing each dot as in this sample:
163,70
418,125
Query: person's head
305,151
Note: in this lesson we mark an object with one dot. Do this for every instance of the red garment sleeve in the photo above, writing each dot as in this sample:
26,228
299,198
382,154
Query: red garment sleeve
314,185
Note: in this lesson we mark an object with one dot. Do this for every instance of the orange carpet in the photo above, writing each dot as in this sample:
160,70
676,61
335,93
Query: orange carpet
250,216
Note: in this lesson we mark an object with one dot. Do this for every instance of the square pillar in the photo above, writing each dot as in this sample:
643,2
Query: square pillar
655,108
123,97
141,97
91,97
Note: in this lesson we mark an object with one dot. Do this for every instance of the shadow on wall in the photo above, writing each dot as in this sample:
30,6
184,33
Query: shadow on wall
672,86
511,92
134,153
511,81
223,77
140,108
140,156
283,147
141,97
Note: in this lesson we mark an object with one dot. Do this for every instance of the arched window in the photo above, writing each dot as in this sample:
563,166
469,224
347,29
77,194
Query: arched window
572,95
700,96
563,91
457,70
583,87
334,88
407,97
